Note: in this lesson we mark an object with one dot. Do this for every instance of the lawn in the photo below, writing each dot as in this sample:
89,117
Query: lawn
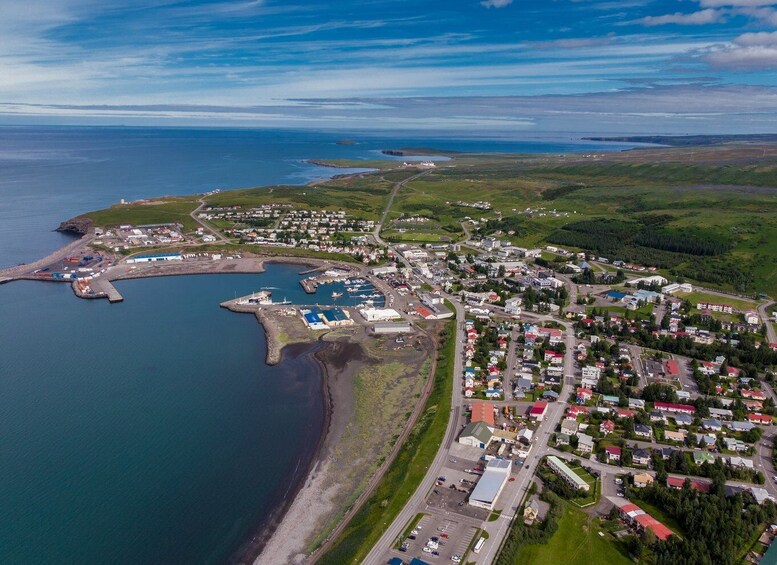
169,210
576,542
736,303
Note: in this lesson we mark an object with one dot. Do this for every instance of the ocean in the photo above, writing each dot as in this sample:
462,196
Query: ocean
152,431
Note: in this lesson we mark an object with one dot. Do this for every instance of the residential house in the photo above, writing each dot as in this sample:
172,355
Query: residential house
643,480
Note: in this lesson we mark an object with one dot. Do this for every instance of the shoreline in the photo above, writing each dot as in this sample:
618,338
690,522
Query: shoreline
265,531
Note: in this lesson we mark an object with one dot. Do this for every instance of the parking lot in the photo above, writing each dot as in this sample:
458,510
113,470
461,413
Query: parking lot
439,538
451,495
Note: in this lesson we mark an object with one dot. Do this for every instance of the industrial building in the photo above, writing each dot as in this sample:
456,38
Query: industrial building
490,485
379,314
157,257
392,328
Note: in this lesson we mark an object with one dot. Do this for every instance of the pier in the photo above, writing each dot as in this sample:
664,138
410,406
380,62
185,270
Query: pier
97,288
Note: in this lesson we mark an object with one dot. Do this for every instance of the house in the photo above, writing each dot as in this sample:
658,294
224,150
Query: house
636,403
531,511
574,411
711,425
705,440
612,453
607,427
590,384
623,413
643,480
733,444
569,427
609,399
538,410
592,372
740,426
585,443
525,435
563,439
701,457
583,395
656,416
643,430
740,462
754,394
640,456
476,434
678,483
763,419
751,317
682,419
674,408
677,437
550,395
638,519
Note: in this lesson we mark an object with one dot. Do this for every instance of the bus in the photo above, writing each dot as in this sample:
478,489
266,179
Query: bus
479,545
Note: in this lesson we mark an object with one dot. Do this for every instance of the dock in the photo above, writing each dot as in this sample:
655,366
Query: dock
97,288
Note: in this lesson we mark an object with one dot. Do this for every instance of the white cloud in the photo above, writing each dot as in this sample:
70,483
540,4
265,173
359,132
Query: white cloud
702,17
735,3
748,52
496,3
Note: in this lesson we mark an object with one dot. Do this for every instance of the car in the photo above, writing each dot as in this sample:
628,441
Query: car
456,558
426,550
511,479
445,536
620,494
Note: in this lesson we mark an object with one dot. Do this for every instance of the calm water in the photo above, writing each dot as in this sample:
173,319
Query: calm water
145,432
51,174
150,431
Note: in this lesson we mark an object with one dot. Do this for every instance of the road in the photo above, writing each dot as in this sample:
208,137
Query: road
381,548
498,530
205,225
764,313
389,204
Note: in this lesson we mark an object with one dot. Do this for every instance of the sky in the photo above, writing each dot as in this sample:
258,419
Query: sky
513,67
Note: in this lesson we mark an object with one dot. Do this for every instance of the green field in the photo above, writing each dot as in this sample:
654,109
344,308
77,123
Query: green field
696,296
163,211
576,542
706,215
405,472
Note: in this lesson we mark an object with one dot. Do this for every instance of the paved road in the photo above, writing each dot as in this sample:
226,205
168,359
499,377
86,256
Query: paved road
763,311
390,203
514,495
205,225
381,549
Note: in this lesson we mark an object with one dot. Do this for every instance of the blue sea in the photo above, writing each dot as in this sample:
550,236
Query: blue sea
151,431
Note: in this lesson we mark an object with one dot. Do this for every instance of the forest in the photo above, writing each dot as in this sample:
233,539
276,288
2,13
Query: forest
716,529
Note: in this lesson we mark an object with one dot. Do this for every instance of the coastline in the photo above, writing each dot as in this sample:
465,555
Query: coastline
284,536
284,500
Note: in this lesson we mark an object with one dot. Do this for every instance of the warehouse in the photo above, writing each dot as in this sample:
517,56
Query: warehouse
155,258
490,485
379,314
392,328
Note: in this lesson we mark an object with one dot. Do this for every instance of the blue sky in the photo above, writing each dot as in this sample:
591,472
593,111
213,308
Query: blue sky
592,66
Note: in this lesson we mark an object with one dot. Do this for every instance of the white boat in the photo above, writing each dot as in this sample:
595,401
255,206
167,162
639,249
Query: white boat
337,294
